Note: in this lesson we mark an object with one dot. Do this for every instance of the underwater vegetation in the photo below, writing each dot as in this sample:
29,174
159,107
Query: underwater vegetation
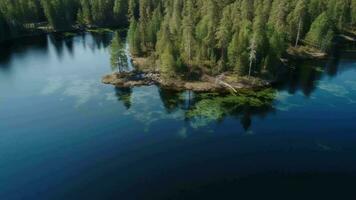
214,107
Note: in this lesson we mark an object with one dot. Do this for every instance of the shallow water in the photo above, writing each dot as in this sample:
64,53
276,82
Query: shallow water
64,135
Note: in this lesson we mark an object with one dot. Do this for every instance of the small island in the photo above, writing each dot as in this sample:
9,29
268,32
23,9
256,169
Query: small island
144,76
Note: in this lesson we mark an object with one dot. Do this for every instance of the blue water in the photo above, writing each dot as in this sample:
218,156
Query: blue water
65,135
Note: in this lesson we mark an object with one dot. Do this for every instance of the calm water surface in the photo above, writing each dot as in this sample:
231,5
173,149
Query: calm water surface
64,135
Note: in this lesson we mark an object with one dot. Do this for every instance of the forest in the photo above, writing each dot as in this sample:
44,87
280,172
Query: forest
247,37
18,17
244,36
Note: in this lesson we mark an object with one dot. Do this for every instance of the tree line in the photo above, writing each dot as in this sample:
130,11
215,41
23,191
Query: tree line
245,36
19,16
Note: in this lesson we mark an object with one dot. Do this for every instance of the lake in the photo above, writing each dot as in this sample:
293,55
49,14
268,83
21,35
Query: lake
65,135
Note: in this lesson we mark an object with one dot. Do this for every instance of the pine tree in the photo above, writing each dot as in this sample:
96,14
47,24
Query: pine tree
320,28
86,12
353,13
224,33
134,38
188,38
297,20
164,49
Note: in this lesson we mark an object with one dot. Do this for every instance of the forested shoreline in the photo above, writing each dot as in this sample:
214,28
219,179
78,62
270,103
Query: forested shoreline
187,38
244,36
21,17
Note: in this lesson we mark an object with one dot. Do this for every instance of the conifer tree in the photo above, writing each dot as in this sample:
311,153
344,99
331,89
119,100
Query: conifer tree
320,28
188,38
297,19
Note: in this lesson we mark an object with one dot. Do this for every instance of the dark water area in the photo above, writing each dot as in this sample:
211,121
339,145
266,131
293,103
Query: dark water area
65,135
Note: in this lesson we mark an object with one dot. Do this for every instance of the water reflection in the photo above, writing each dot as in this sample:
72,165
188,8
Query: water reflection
305,75
58,45
204,109
195,109
21,46
171,99
124,95
56,111
62,42
102,40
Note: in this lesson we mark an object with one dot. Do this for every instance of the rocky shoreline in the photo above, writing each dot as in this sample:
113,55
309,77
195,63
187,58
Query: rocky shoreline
221,83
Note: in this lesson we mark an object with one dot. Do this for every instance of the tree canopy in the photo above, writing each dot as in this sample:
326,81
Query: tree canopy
244,36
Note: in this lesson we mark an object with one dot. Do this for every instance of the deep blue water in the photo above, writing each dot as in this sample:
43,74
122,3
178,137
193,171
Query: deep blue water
65,135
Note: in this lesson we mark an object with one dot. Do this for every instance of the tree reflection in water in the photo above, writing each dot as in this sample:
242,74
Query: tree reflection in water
204,109
124,95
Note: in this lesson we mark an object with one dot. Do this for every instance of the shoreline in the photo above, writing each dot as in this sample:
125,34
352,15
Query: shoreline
48,30
226,82
207,84
146,74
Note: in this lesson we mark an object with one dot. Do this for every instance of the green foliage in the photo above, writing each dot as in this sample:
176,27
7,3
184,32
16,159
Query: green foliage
217,35
321,32
165,52
134,38
61,14
353,12
22,16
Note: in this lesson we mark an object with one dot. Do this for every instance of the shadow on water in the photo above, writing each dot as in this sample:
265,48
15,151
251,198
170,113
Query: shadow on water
21,46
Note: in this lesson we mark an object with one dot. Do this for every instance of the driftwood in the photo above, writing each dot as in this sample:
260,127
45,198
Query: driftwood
228,86
224,84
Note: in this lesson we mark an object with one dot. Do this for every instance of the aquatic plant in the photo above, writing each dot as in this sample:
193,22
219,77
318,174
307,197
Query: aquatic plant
213,106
